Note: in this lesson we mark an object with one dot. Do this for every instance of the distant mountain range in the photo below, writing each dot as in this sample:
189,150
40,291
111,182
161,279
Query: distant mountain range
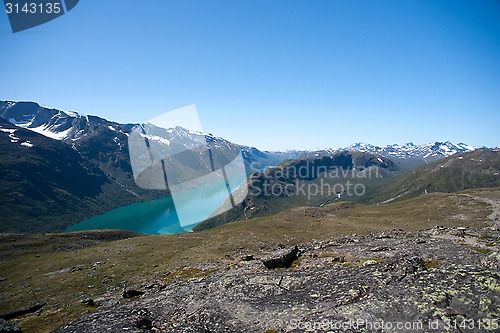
70,126
429,152
59,167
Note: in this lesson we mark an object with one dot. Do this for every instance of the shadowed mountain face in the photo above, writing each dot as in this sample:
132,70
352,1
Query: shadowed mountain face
44,183
64,168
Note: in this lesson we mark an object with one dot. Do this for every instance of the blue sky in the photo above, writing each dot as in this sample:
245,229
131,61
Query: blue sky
272,74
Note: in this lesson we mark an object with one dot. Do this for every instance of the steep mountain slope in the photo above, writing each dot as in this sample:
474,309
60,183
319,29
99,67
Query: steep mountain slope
44,185
67,126
76,167
477,169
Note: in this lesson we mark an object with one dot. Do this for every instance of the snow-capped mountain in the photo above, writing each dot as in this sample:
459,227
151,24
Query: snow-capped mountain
55,124
72,127
428,152
92,132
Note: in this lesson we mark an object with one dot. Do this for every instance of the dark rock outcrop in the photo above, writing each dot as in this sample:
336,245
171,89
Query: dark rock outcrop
21,312
129,293
88,301
281,259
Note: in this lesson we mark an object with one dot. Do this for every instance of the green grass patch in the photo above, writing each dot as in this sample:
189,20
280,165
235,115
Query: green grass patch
481,250
428,264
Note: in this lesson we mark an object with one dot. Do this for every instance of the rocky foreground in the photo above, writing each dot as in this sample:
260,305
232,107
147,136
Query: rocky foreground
434,280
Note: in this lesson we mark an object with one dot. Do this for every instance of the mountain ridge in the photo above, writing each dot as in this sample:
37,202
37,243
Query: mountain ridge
69,125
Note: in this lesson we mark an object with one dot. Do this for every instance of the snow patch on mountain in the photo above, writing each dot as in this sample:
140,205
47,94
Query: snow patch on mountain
49,132
13,138
7,130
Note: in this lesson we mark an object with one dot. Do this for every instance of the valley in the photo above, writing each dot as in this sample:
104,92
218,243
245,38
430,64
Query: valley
105,182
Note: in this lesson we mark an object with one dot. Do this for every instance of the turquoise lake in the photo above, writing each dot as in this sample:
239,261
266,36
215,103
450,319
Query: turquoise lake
159,216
